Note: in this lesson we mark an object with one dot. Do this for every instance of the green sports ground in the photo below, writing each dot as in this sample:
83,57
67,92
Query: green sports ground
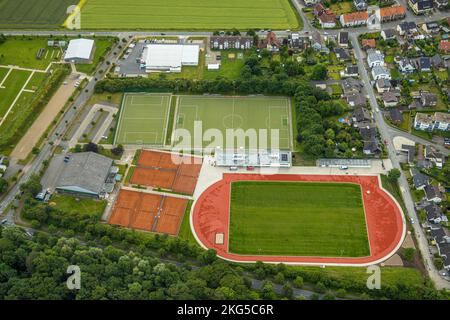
148,119
143,119
297,219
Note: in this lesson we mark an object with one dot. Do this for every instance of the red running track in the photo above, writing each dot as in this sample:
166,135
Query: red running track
384,219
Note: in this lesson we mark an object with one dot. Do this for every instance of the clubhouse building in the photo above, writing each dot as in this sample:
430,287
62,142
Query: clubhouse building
169,57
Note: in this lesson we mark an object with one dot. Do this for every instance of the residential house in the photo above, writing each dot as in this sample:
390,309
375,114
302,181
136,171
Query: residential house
436,157
405,66
431,27
437,62
326,17
419,179
396,115
350,71
442,121
342,54
380,72
354,19
368,44
428,99
420,6
310,3
406,28
423,64
444,46
439,235
375,58
444,251
270,43
424,122
424,164
356,100
361,114
434,214
433,194
295,41
318,44
368,135
360,5
388,34
343,39
392,13
390,99
383,85
230,42
351,85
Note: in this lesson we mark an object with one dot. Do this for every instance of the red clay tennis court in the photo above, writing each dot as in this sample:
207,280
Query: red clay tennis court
167,171
384,219
148,212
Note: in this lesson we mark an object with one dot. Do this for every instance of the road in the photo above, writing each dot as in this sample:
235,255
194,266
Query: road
388,134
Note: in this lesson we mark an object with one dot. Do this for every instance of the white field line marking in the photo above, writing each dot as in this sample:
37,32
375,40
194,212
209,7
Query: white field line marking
17,98
6,77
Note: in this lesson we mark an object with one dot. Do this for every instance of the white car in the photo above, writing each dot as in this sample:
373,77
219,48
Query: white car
412,220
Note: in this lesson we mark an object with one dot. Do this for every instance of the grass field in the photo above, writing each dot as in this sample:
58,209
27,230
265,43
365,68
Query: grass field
297,219
221,113
21,51
188,14
11,88
143,119
33,14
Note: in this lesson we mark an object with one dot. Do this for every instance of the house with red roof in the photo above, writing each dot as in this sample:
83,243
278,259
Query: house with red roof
354,19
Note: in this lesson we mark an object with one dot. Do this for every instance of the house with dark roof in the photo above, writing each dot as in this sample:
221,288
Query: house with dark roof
342,54
405,65
343,39
441,4
356,100
350,70
410,151
295,41
423,64
351,85
437,62
396,115
434,214
390,98
419,179
360,5
433,194
431,27
383,85
420,6
433,155
406,28
428,99
361,114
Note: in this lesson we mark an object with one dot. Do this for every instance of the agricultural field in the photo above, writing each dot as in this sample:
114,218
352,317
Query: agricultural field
221,113
36,14
143,119
189,14
297,219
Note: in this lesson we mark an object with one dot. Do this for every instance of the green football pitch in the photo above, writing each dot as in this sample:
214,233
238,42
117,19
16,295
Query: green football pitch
297,219
143,119
188,14
219,113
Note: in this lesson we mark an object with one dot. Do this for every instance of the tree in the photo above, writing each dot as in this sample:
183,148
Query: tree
32,186
394,174
118,151
298,282
319,72
209,256
287,291
91,147
3,185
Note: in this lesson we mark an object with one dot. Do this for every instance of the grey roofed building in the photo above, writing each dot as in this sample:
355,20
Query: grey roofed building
437,62
356,100
438,234
361,114
351,85
85,173
410,150
419,179
396,115
342,54
343,38
388,34
433,193
424,164
434,213
445,253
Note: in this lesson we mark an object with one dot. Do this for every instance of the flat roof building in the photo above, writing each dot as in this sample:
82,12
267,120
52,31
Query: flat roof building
170,57
80,51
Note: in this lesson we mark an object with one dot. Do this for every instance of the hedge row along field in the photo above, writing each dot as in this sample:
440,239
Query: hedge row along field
188,14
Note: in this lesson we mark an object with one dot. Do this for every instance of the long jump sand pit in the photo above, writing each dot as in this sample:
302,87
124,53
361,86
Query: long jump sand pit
166,170
383,222
148,212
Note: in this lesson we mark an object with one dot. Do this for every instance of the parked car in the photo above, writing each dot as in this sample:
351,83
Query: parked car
233,168
250,168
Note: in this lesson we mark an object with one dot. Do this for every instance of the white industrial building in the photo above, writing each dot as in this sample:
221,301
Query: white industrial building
80,51
169,57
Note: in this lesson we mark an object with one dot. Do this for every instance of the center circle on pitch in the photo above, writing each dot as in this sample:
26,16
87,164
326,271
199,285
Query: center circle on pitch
233,121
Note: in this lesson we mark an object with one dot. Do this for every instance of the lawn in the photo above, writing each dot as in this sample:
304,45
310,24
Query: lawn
216,114
188,14
21,51
12,86
70,204
342,7
297,219
15,14
102,46
229,68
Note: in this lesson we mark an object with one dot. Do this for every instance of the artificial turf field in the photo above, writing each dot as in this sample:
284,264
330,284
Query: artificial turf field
143,119
33,13
188,14
221,113
297,219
